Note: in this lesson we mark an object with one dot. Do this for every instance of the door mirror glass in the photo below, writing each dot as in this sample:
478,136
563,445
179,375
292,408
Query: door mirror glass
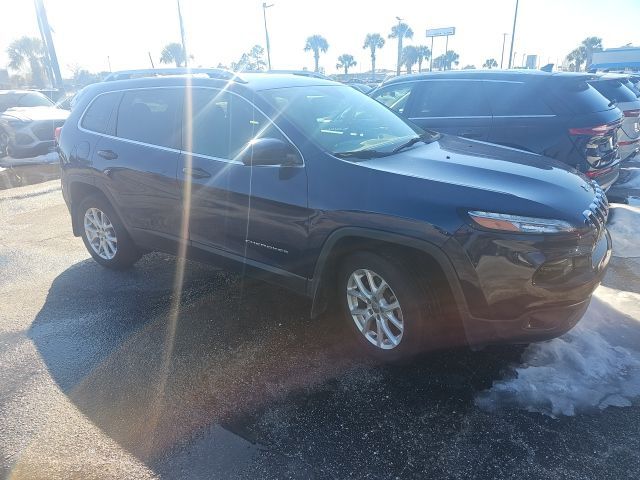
269,151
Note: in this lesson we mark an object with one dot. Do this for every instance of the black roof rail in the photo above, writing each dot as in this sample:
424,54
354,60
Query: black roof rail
217,73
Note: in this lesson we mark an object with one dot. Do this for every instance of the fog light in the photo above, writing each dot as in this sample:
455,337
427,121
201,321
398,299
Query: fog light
554,272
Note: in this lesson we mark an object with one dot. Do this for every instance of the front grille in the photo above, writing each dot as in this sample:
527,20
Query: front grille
597,213
45,131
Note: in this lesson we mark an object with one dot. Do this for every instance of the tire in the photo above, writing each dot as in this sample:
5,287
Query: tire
419,309
112,246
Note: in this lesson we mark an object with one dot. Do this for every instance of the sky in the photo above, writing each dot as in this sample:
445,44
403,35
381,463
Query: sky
86,32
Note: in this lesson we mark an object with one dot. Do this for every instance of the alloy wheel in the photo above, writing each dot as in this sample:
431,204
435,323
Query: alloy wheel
100,233
375,309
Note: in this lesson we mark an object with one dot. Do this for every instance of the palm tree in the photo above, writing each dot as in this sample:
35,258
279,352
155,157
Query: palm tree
490,63
451,58
444,62
373,41
400,32
173,53
28,50
423,53
578,56
591,44
409,57
346,61
316,44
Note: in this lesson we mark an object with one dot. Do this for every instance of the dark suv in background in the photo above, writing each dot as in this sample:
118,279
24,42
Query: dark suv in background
558,115
311,185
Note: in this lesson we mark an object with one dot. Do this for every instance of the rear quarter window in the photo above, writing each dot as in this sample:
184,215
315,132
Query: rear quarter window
578,96
98,116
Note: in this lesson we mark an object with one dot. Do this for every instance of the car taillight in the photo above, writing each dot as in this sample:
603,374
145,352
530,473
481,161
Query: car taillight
56,134
598,173
632,113
598,130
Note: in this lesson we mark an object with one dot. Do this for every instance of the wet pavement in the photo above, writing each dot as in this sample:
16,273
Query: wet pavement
131,375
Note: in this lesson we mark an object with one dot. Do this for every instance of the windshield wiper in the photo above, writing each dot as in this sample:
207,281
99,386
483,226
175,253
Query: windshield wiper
426,137
364,154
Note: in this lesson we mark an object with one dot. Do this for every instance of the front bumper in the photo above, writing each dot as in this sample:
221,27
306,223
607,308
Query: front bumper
505,302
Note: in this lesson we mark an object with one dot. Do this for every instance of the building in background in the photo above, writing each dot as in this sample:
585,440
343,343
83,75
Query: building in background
618,59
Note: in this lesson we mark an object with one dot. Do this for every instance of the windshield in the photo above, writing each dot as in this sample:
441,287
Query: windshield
34,100
340,119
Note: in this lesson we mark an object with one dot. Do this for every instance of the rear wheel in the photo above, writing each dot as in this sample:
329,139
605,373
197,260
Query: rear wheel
104,235
388,304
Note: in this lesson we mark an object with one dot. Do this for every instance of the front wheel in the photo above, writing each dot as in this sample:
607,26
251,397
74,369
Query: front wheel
104,235
389,305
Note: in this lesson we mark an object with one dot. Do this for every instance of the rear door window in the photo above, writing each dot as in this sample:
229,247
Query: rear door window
450,98
512,99
151,116
98,116
578,96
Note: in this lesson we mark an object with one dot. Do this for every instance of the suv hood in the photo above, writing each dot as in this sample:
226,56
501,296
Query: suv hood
33,114
479,175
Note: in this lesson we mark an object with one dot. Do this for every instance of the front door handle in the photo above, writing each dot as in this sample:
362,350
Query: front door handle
471,134
196,172
108,154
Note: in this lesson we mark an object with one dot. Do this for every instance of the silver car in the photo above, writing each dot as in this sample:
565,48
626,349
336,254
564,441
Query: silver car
27,123
614,88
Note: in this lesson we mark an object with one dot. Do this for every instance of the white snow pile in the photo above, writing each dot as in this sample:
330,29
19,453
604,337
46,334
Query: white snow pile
624,226
633,180
594,366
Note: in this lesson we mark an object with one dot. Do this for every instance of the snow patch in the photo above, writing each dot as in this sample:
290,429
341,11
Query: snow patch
624,226
594,366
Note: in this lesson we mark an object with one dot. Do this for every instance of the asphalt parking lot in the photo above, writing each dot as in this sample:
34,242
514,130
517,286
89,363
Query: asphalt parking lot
132,375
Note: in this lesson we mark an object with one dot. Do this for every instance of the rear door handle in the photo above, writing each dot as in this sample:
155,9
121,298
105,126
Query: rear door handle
108,154
196,172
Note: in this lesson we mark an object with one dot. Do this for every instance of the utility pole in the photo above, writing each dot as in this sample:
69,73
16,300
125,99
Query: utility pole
266,32
513,34
109,62
47,41
151,60
504,40
400,38
184,45
431,56
446,56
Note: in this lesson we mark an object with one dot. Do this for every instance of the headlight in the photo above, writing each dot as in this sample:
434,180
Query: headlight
516,223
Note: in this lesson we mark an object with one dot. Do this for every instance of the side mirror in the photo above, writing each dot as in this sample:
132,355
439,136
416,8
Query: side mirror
270,151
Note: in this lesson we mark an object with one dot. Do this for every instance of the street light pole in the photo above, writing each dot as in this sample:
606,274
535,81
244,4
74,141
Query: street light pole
400,38
513,33
504,40
266,32
184,45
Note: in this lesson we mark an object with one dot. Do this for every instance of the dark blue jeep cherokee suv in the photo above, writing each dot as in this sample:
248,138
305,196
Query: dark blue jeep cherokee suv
315,186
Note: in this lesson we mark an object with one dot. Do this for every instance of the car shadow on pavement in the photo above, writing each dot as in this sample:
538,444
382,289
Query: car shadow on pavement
168,372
